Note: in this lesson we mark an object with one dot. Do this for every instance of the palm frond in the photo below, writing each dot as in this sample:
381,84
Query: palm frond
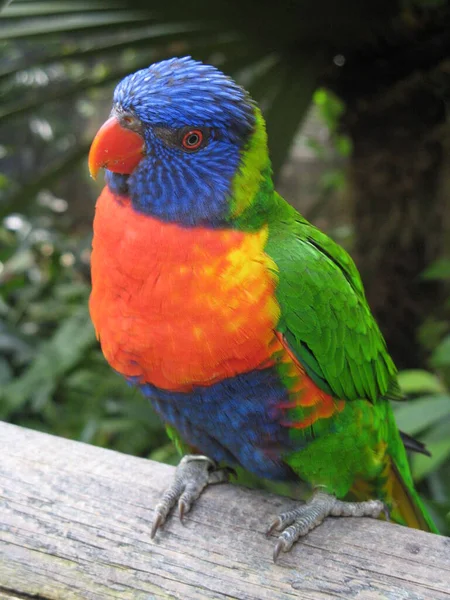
278,52
18,200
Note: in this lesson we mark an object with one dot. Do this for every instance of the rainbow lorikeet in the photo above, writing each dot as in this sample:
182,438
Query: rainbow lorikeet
245,326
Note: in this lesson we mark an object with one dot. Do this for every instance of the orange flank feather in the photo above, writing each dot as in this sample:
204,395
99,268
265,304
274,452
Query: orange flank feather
304,392
179,307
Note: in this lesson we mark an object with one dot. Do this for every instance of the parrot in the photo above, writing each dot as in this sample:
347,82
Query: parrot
245,326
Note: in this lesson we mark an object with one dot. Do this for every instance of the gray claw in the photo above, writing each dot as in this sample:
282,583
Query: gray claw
298,522
279,546
193,474
157,522
182,509
274,526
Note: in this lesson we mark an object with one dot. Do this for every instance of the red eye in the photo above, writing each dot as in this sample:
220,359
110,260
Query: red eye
192,139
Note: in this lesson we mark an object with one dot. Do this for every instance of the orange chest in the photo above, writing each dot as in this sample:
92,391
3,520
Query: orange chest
179,307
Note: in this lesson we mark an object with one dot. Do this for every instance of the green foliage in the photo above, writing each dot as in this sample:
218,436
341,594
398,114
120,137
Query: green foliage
52,373
76,47
439,270
333,151
60,60
331,109
415,381
427,413
426,416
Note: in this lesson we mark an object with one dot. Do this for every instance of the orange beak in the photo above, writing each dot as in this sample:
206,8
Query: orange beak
115,148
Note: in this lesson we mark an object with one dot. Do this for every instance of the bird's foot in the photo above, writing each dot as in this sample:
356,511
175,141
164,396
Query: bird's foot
193,474
299,521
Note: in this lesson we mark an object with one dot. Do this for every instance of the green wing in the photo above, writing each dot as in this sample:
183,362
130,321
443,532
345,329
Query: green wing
325,317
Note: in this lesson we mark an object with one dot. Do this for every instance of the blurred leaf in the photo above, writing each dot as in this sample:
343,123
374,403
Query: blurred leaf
6,372
317,147
343,145
55,357
330,108
288,108
20,262
441,356
4,4
136,38
75,22
16,108
423,465
35,8
432,331
417,415
46,178
333,179
166,454
416,381
93,79
102,29
12,344
438,270
113,426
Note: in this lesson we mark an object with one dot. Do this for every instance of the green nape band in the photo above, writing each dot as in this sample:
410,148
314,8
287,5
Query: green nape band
253,170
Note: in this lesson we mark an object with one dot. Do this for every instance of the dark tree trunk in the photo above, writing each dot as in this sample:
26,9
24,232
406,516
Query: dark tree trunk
397,107
399,215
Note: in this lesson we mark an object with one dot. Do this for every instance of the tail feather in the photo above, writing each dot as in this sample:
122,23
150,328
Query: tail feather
413,445
405,505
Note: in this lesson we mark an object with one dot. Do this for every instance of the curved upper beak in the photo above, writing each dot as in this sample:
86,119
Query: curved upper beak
115,148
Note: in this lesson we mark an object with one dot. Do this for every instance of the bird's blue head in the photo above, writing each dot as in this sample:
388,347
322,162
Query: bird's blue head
176,139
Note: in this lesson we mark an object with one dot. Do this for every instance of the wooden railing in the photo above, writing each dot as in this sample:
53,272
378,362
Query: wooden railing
75,523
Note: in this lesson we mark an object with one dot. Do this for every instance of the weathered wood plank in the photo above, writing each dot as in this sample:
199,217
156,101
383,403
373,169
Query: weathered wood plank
75,524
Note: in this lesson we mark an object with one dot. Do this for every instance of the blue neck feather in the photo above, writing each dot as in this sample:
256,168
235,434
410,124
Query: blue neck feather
193,188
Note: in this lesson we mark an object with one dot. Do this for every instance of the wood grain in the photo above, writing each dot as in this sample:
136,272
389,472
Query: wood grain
75,524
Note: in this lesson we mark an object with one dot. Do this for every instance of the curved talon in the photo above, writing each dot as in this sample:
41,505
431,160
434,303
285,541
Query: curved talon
279,546
274,526
182,509
157,522
193,474
299,521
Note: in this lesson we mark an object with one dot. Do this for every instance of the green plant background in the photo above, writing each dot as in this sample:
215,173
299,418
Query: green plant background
56,81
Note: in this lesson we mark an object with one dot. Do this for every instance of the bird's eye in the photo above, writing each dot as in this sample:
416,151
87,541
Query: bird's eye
192,140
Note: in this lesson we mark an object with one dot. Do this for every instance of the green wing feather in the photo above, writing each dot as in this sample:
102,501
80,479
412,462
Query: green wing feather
325,317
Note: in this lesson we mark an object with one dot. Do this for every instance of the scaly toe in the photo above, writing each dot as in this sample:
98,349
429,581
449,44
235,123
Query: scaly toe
286,540
296,523
286,518
192,475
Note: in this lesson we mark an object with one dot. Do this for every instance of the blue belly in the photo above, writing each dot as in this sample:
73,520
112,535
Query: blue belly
235,421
